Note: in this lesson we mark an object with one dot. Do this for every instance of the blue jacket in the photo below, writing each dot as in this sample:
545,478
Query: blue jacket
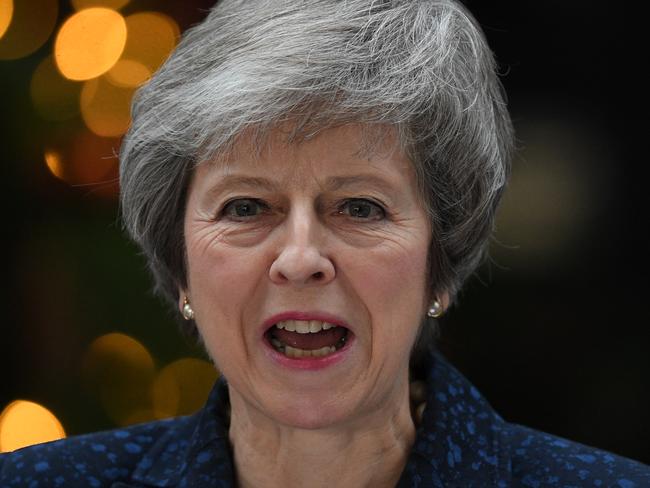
461,442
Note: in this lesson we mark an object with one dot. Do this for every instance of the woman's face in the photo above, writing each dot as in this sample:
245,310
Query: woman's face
318,230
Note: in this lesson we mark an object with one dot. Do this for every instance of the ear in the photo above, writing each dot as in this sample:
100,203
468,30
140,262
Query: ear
182,294
444,300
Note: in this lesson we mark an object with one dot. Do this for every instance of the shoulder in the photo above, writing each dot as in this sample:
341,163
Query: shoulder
462,441
184,451
92,460
539,459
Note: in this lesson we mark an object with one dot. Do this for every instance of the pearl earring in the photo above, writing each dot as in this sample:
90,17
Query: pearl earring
435,311
188,312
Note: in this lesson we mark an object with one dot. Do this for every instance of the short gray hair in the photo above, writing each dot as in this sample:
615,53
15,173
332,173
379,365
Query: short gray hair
422,67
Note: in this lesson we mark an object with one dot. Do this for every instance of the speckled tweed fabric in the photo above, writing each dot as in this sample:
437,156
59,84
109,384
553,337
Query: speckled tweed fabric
461,442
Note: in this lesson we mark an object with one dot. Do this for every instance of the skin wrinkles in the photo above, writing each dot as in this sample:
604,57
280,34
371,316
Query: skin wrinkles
353,233
384,442
300,254
248,232
332,184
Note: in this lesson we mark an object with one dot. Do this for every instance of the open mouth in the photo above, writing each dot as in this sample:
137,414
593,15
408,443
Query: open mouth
306,338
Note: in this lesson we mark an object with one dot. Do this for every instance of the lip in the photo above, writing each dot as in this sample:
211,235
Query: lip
298,315
309,363
306,364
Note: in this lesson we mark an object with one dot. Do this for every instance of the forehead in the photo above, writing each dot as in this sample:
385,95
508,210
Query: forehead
348,154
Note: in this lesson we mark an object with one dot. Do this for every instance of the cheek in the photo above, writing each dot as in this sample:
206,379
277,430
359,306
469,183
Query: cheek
222,283
213,263
391,280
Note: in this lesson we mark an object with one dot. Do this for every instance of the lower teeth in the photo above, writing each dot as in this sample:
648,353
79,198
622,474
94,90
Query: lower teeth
294,352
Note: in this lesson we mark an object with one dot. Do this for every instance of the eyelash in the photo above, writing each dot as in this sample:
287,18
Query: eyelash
230,204
364,201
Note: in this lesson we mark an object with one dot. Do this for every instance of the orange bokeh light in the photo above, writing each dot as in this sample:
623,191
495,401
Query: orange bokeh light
106,108
119,369
89,43
24,423
26,25
182,387
128,73
6,12
114,4
53,161
86,161
151,38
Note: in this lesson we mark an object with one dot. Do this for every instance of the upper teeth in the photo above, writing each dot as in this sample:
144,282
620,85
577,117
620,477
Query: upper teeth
304,326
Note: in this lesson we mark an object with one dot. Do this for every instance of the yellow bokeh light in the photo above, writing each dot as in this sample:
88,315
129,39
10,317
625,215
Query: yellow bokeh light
6,12
128,73
24,423
116,351
120,370
138,417
182,387
151,38
106,108
54,97
89,43
114,4
25,26
53,161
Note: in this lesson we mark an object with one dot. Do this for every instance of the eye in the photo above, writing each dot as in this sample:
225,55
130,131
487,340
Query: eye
360,208
243,208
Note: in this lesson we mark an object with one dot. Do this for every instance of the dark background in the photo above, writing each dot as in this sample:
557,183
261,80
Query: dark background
553,331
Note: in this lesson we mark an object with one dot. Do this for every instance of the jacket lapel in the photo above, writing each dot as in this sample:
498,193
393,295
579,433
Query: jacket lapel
458,440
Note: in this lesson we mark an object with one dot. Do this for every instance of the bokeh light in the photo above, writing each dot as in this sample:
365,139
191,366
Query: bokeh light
54,97
85,160
182,387
551,198
118,370
24,423
6,12
28,25
114,4
128,73
89,43
106,108
151,38
53,161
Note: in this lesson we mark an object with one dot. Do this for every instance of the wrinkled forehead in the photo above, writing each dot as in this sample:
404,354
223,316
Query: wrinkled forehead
356,146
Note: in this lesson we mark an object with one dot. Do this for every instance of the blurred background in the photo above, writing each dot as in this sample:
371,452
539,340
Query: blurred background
553,330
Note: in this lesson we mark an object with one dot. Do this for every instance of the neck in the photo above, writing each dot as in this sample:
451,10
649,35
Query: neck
369,452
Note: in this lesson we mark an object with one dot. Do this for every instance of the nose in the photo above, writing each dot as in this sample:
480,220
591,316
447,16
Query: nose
300,260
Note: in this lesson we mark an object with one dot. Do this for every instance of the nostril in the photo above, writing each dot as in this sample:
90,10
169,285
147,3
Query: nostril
301,266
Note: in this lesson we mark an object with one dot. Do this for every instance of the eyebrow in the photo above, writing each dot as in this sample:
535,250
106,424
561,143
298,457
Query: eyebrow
242,181
332,183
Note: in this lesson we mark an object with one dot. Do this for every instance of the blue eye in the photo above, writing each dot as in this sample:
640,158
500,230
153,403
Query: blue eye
362,209
243,208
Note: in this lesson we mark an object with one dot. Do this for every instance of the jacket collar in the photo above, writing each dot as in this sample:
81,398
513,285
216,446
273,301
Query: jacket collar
458,440
195,452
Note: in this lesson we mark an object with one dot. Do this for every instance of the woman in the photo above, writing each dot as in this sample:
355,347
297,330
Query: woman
312,182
